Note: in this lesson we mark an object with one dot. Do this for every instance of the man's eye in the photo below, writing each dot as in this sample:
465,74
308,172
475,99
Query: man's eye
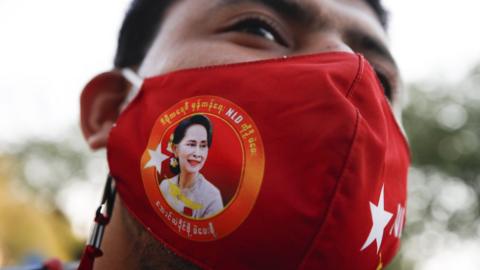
260,28
387,86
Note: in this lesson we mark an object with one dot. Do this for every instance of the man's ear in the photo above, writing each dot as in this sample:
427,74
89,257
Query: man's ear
100,105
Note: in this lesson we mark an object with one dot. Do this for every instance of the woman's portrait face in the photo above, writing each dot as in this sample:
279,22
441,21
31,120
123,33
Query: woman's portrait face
192,150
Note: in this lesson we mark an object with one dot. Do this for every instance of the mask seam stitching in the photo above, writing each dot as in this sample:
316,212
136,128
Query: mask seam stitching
358,77
334,194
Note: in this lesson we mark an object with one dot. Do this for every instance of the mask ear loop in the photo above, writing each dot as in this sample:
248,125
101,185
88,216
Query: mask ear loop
102,217
135,80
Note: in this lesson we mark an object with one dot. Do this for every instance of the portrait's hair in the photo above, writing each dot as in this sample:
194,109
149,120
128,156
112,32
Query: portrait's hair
181,129
144,19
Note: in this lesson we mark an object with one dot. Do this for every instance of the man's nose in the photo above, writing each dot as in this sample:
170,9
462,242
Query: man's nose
324,42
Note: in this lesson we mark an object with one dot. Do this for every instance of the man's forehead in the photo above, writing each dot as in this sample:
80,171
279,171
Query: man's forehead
300,6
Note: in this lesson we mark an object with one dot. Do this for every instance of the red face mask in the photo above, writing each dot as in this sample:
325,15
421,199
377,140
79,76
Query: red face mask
291,163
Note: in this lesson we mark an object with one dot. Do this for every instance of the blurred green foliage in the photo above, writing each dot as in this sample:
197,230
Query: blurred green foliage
442,121
45,167
29,226
443,125
33,176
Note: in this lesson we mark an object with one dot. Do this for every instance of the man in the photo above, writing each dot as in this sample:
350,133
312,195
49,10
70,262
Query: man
160,36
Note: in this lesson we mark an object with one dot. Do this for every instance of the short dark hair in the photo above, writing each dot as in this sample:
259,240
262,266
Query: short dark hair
380,11
138,30
181,129
144,17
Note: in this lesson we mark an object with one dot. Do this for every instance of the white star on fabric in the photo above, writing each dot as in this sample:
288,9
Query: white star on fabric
380,219
156,158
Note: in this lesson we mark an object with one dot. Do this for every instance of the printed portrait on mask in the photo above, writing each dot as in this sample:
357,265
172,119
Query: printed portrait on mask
201,169
189,192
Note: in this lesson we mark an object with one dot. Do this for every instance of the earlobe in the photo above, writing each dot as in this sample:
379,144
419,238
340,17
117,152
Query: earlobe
174,150
100,105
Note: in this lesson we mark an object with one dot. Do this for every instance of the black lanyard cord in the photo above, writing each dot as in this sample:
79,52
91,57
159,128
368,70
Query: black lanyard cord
102,217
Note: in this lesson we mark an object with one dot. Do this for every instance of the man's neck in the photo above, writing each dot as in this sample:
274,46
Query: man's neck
127,245
118,249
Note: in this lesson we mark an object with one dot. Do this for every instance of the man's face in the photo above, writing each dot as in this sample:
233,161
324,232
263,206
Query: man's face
211,32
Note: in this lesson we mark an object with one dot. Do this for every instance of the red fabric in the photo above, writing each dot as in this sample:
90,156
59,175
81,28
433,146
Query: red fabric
88,257
187,211
53,264
331,145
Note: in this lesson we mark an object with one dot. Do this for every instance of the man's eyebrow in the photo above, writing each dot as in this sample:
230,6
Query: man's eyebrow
370,43
291,9
305,14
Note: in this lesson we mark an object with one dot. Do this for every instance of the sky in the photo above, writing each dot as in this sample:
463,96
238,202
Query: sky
435,38
49,50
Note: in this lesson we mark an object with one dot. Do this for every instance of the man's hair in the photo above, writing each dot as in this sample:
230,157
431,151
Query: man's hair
144,17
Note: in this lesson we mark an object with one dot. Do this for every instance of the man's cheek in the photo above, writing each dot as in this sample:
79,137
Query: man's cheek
201,54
